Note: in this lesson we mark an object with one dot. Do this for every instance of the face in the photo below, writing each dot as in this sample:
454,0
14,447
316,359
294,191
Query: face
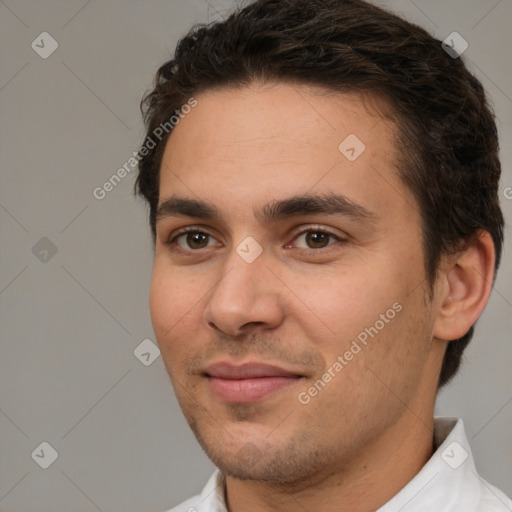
288,294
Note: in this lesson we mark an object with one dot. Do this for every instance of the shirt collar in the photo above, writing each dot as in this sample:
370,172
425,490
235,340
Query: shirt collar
212,496
441,480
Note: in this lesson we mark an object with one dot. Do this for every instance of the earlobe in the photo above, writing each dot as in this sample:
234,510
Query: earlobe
467,279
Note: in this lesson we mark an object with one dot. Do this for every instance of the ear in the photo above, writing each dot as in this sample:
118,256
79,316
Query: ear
464,286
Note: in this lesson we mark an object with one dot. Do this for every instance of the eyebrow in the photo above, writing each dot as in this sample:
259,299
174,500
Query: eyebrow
330,204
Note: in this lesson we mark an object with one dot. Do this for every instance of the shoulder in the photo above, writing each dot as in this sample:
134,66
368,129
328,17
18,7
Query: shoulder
449,481
211,498
190,505
491,499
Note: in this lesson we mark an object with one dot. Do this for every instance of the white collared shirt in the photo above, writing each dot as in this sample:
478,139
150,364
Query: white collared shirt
448,482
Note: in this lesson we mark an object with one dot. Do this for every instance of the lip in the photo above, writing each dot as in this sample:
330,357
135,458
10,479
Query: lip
249,382
224,370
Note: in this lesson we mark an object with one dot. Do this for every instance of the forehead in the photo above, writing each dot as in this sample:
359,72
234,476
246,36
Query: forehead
301,116
240,145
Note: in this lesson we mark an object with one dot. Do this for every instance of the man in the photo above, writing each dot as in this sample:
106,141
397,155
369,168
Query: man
322,179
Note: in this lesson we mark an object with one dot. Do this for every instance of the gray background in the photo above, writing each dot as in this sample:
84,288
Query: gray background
69,325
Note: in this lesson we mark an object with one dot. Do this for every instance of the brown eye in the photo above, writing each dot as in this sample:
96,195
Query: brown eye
197,240
194,240
317,239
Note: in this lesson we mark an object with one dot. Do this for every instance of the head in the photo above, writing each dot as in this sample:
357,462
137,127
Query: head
263,103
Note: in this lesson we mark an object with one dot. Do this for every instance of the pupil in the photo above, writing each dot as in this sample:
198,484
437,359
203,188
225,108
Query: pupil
317,238
195,239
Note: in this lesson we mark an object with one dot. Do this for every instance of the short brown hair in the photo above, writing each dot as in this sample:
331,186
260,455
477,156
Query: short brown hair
447,132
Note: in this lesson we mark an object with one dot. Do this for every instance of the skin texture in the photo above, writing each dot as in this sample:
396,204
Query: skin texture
298,305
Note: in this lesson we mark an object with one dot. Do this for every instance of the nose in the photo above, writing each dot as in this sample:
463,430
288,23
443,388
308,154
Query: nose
247,295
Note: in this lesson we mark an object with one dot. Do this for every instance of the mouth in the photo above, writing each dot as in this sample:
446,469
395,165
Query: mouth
249,382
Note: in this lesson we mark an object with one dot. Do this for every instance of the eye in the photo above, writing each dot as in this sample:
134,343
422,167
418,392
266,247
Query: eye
192,238
314,238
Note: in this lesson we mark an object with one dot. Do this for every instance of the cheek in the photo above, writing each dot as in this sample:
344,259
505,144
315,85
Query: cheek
171,301
160,304
397,356
341,303
371,316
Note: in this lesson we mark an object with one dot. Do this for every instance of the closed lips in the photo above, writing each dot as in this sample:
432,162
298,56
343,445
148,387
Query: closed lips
247,371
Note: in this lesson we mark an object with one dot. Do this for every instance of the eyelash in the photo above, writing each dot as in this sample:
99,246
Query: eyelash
308,229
